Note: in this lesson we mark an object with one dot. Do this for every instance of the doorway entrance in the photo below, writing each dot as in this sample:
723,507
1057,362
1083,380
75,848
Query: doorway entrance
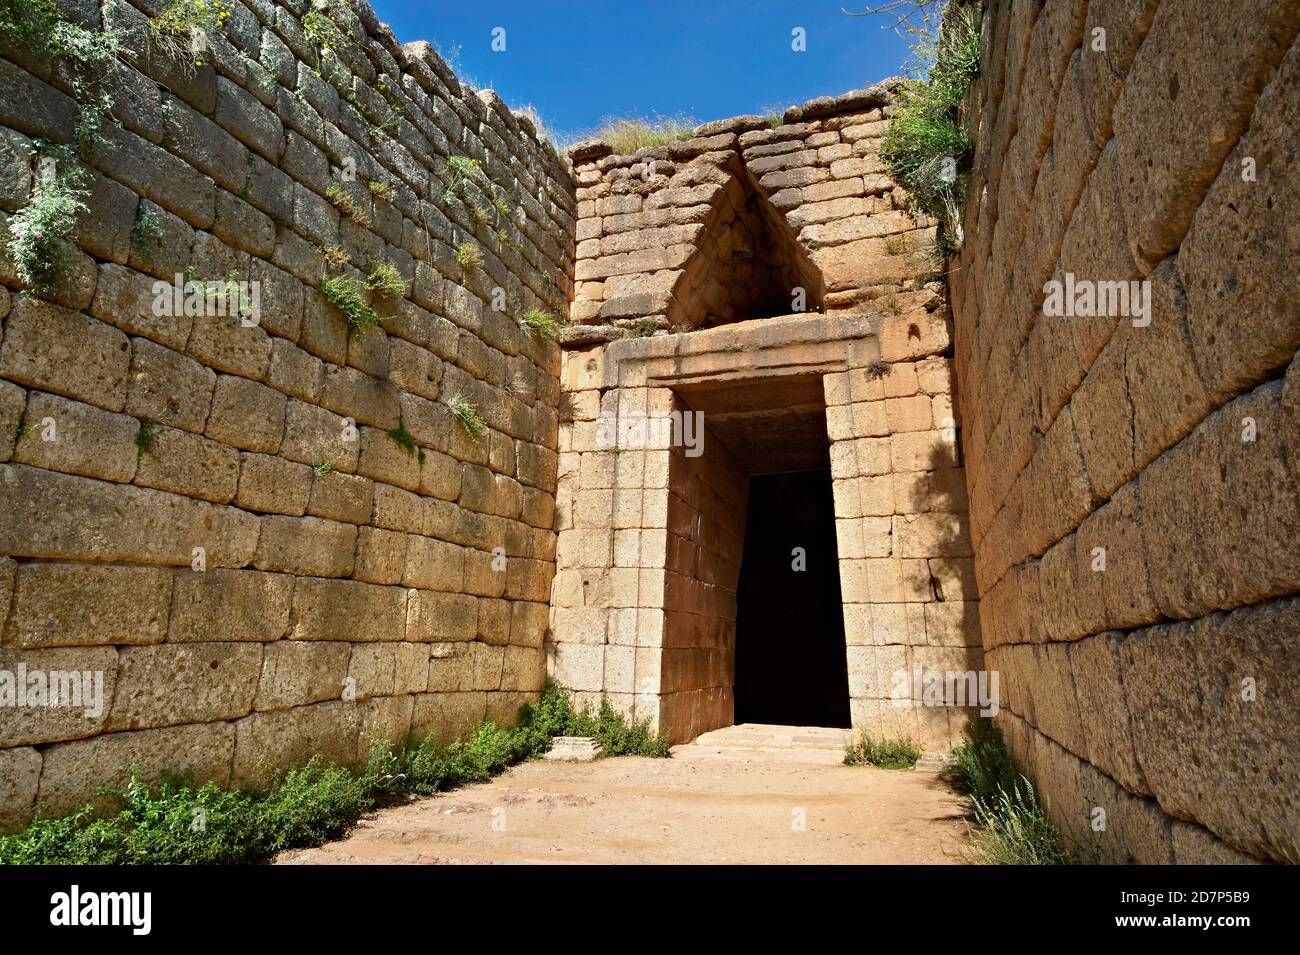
791,666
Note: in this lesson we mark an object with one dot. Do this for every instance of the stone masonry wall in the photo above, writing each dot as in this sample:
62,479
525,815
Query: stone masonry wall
1161,686
807,201
350,586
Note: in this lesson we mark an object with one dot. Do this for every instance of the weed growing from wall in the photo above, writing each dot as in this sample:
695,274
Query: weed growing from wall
926,148
469,257
1014,830
466,415
385,281
183,30
342,200
541,323
625,135
40,231
347,293
406,441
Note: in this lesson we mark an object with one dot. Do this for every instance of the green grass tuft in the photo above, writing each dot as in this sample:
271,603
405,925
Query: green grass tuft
145,439
541,323
347,293
463,410
1013,829
625,135
469,257
864,750
384,280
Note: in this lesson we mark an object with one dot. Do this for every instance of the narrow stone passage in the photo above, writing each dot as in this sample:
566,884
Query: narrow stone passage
737,795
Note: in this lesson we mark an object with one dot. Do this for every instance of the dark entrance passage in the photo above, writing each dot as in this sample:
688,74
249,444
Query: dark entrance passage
790,661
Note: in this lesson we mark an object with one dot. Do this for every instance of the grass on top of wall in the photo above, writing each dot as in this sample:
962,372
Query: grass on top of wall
925,147
172,822
626,134
1012,827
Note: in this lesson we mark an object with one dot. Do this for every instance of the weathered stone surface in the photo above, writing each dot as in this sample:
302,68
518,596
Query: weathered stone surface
67,693
20,774
189,683
347,610
292,737
64,352
77,438
295,673
58,604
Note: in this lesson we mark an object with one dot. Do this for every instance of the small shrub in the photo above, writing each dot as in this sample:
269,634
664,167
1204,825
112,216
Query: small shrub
467,415
541,323
876,368
181,31
865,750
342,200
1013,829
347,293
385,280
335,256
642,328
39,232
625,135
898,245
469,257
147,231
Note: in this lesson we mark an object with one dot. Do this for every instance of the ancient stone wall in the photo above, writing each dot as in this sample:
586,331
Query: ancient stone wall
1133,477
273,538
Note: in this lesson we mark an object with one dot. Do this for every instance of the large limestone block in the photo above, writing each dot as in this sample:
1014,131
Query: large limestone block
1184,684
306,545
58,604
66,694
1208,550
229,605
292,737
62,516
447,716
20,775
184,683
347,610
1103,710
298,672
65,352
73,772
77,438
438,617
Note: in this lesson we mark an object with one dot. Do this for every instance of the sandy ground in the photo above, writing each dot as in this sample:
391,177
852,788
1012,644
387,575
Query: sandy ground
708,804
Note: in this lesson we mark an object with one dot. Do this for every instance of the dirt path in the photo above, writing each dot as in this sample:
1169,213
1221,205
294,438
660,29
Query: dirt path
733,797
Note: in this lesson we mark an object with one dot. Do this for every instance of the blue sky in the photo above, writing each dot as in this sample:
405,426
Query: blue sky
579,61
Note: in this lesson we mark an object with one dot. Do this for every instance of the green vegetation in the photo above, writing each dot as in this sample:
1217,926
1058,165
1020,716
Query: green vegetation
469,257
1013,829
342,200
625,135
39,231
926,148
406,441
898,244
381,190
347,293
335,256
642,328
172,822
145,440
467,415
865,750
323,468
88,56
147,231
541,323
385,280
181,31
457,174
